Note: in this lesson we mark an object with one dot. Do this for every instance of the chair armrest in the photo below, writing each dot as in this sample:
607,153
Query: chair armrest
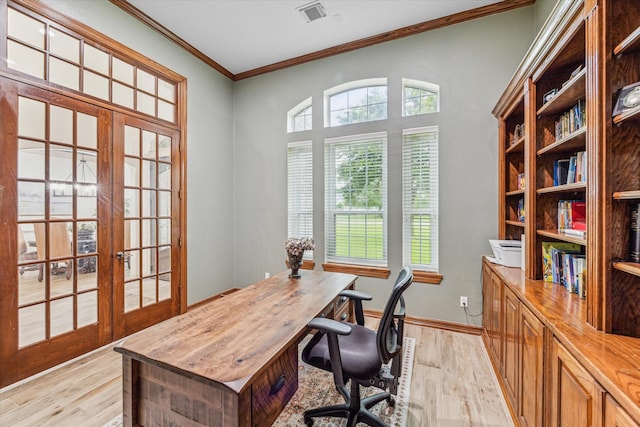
330,326
357,297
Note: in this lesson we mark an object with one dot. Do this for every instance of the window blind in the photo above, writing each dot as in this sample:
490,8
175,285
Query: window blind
420,197
300,191
356,199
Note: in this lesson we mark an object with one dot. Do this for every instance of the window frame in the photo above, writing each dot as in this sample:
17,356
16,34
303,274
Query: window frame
296,111
408,210
302,168
331,209
421,85
348,87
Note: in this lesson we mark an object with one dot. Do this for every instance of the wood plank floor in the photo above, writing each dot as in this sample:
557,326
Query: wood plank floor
452,385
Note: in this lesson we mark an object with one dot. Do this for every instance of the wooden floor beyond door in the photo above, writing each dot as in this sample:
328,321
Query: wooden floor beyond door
453,385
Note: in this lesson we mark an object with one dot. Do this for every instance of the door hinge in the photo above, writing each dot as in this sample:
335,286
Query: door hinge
179,194
179,242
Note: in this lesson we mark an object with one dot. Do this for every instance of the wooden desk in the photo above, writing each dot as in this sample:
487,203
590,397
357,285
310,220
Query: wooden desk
232,362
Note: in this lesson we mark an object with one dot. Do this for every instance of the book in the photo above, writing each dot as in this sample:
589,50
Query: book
560,171
571,174
634,233
572,216
550,254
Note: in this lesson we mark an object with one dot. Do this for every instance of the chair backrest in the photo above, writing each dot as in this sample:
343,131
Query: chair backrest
389,334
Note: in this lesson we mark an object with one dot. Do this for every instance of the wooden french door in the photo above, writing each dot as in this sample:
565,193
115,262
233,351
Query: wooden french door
146,227
89,217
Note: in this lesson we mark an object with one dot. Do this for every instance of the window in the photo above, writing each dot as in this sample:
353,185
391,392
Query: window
300,191
356,199
357,102
299,118
41,48
420,197
420,97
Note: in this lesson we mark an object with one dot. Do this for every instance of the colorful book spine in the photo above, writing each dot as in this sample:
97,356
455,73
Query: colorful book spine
634,233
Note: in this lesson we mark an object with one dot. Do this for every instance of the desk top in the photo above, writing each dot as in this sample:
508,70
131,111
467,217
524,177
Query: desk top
231,340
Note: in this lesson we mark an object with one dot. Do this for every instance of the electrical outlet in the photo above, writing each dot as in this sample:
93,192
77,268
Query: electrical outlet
464,302
267,275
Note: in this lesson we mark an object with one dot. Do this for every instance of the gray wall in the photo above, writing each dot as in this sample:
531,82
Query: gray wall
209,142
542,9
472,62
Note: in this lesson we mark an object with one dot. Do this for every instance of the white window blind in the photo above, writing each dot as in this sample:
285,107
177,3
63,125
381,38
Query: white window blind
300,191
356,199
420,197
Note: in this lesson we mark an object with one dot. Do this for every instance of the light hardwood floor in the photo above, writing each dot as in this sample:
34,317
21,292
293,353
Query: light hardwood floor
452,385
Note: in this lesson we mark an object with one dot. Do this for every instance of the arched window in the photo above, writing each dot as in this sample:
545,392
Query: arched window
300,117
356,102
419,97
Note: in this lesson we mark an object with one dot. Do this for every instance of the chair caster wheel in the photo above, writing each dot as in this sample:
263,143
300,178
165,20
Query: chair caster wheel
308,421
391,401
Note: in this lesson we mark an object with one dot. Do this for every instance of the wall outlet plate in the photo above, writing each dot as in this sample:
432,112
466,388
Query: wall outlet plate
464,302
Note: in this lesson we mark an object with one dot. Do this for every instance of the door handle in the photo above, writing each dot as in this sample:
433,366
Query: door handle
119,255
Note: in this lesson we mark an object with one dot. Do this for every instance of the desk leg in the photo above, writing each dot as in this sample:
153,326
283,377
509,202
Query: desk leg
130,391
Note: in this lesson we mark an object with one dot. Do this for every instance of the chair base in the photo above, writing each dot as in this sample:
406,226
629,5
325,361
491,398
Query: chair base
355,409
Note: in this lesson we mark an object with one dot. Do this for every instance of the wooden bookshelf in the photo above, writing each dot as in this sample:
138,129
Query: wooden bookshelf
575,141
601,39
629,44
557,235
576,186
628,267
632,114
626,195
516,147
573,90
516,223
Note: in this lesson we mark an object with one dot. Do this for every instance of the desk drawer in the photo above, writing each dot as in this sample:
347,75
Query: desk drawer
275,387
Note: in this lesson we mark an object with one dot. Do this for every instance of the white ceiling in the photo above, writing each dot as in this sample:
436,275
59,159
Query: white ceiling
243,35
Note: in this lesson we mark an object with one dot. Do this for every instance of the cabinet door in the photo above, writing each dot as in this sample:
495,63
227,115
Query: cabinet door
486,300
530,386
576,398
496,319
615,416
510,328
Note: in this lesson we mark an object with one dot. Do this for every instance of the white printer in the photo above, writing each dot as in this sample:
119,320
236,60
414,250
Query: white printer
506,252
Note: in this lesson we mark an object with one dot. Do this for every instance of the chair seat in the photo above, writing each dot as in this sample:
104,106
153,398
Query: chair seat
358,353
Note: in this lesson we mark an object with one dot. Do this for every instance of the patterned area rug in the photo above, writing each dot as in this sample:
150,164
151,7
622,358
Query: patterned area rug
316,389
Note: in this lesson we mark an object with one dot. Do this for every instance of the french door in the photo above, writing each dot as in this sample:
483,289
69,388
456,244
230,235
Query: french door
89,215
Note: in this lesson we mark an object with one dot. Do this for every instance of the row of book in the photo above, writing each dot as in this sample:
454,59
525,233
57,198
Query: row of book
572,217
571,170
563,263
571,121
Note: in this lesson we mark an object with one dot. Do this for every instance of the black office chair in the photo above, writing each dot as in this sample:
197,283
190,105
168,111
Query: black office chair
353,352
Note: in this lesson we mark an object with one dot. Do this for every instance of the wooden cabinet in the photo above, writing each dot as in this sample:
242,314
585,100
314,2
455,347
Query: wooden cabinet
495,315
564,95
577,399
530,395
511,340
616,416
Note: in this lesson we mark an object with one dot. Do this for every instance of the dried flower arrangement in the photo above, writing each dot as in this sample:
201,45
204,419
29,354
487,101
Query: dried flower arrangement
296,247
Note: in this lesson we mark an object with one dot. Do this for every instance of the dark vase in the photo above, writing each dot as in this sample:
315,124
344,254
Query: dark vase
295,262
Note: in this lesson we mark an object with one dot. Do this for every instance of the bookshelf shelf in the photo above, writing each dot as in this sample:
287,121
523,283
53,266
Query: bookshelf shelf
555,234
573,90
629,44
514,193
627,267
626,195
572,142
515,223
577,186
517,147
633,114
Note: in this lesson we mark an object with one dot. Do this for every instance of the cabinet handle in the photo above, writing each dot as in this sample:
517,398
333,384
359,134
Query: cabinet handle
344,316
343,299
278,385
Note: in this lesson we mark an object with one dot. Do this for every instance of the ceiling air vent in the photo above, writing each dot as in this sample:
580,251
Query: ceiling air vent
313,11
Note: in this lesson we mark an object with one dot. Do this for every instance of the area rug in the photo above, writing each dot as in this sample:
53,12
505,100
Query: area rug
316,389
